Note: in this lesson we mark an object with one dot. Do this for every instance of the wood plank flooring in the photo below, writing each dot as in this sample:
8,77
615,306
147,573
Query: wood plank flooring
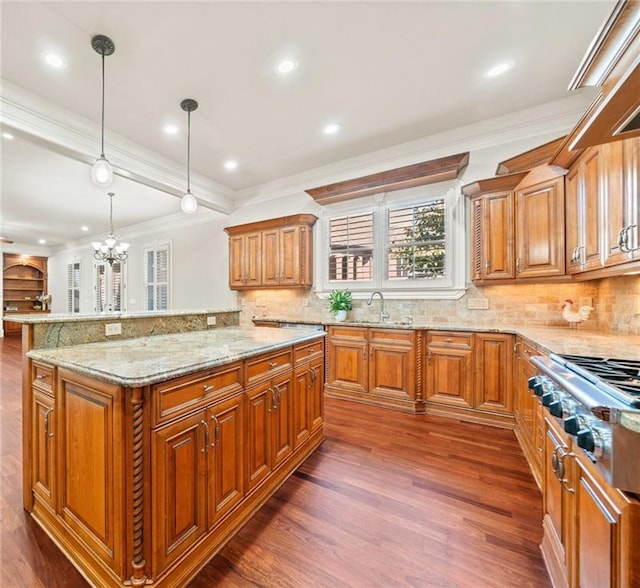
388,500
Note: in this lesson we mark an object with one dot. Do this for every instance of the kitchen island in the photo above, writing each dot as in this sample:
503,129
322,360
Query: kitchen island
143,456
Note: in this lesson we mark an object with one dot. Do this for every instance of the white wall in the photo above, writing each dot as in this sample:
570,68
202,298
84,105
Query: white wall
199,243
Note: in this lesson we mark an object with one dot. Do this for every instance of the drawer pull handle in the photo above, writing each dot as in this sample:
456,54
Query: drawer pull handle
311,350
273,364
448,339
208,387
42,376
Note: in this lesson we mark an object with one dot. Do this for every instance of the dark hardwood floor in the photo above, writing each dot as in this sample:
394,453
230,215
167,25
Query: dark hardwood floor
388,500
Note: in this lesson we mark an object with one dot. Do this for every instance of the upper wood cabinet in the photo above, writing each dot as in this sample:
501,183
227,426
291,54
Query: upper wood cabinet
276,253
517,228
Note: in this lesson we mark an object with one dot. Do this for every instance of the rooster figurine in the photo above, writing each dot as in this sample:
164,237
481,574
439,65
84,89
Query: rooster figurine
574,317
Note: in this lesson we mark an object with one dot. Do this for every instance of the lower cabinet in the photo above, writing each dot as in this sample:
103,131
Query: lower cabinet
375,365
470,376
591,530
144,485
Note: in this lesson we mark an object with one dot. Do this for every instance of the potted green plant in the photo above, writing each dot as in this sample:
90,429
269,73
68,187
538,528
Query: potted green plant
340,303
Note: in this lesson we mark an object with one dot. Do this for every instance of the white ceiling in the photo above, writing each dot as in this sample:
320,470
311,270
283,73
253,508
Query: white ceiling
389,72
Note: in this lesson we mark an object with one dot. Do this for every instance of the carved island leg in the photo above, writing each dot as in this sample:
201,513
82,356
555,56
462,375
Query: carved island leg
139,577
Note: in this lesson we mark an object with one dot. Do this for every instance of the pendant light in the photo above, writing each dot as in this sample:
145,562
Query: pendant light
101,172
110,249
188,203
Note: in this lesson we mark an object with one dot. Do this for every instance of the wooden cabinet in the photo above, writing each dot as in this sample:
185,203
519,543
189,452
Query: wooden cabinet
276,253
493,389
375,365
43,436
622,202
308,391
590,529
24,280
493,243
526,409
558,503
540,225
517,228
585,187
449,379
154,480
245,260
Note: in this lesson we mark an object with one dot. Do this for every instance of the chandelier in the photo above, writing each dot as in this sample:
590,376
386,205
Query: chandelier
101,172
110,249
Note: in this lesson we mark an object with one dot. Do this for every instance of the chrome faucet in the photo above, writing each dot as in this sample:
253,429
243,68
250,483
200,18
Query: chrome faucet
383,314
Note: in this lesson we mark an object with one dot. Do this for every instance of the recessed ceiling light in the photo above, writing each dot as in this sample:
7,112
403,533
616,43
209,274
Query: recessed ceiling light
287,66
170,129
84,228
42,241
331,128
54,60
7,136
498,69
231,164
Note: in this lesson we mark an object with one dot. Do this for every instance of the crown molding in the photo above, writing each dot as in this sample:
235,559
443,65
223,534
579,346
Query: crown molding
72,136
558,117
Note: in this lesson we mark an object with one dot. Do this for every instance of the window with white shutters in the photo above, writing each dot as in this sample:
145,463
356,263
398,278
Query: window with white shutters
157,277
351,248
409,243
73,287
109,287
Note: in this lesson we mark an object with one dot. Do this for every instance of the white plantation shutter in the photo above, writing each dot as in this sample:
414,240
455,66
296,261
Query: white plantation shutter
157,277
416,242
351,248
109,287
73,287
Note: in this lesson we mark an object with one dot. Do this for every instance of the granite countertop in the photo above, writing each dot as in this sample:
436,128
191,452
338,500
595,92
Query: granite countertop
61,317
149,360
560,339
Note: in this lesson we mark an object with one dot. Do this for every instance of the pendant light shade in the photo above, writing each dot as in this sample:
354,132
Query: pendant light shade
188,204
101,172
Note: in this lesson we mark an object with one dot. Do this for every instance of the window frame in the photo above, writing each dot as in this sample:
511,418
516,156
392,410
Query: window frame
109,290
72,287
450,287
155,248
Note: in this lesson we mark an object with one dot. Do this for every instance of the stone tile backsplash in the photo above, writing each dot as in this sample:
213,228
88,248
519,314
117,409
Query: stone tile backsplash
616,303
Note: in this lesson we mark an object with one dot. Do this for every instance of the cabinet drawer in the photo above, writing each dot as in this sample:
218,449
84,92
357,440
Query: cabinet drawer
42,376
176,397
265,366
526,351
307,352
448,339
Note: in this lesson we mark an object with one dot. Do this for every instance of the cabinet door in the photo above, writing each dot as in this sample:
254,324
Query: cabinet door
316,393
225,474
271,257
259,404
282,420
347,358
494,372
540,229
558,504
301,405
43,448
244,260
591,213
497,236
449,376
392,363
289,266
597,537
179,501
622,168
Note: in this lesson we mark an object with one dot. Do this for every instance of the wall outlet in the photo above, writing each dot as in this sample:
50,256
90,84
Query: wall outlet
113,329
478,303
211,321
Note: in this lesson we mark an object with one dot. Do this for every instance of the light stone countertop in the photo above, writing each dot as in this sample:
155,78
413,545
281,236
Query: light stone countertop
61,317
560,340
149,360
